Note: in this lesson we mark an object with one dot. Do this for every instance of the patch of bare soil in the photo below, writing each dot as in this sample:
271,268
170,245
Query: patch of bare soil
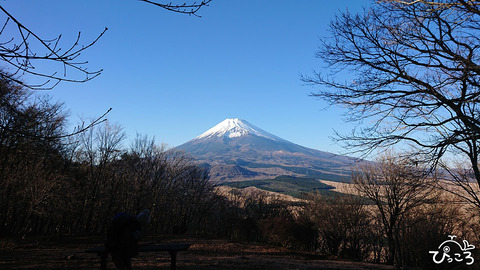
68,252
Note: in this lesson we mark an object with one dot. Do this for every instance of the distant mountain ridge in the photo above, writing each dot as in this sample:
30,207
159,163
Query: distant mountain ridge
234,149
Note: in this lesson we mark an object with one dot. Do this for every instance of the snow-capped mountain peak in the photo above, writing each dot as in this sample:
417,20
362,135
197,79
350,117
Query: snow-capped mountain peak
235,149
234,127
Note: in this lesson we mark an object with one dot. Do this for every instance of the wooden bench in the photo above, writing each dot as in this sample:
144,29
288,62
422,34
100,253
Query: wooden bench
172,248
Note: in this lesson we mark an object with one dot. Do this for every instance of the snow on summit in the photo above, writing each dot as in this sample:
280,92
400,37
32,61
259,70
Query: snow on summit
235,127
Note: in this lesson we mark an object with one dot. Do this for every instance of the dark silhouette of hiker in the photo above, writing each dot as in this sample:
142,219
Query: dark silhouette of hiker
122,237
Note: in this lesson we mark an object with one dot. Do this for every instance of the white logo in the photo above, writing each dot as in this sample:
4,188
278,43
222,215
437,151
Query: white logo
451,251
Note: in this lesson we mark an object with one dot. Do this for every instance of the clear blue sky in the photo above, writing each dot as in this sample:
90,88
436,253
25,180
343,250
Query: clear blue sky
174,76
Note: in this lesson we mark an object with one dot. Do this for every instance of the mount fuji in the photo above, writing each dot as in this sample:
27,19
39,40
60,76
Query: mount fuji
236,150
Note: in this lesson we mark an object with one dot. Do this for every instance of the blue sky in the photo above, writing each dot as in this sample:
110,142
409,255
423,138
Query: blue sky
174,76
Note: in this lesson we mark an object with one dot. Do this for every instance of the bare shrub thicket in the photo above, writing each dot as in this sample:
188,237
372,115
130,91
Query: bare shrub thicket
248,212
345,226
425,227
262,217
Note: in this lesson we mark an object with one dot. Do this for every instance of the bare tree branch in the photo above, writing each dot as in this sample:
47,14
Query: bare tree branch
185,8
23,50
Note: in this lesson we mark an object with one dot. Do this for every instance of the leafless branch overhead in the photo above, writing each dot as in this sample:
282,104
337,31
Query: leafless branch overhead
185,8
22,50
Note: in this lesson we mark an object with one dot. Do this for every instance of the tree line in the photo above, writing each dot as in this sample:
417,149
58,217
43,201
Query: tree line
53,181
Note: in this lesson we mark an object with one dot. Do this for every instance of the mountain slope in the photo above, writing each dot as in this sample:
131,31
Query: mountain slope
236,145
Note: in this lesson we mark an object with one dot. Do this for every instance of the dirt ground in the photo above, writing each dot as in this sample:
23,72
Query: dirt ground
68,252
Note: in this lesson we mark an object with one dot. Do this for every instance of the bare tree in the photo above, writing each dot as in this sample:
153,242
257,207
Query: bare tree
395,186
21,49
99,148
415,74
